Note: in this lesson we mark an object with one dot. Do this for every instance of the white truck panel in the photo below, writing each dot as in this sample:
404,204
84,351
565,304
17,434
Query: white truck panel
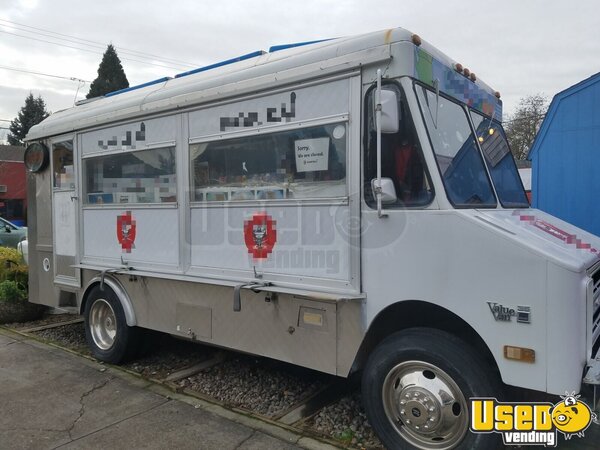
156,241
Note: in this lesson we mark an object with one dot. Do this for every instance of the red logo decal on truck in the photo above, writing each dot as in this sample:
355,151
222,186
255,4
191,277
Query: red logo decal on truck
260,235
126,231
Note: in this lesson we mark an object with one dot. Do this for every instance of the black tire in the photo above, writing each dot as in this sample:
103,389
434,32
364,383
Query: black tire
420,362
106,331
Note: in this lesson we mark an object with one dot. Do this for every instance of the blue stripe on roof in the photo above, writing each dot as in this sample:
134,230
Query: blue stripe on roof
222,63
139,86
276,48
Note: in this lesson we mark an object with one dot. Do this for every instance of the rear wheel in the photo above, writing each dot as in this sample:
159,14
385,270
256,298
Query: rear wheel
107,333
416,388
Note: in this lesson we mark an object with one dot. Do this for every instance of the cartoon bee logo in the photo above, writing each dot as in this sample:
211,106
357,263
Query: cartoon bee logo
570,416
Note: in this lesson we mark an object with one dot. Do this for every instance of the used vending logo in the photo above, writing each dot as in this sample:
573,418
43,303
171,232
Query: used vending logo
531,423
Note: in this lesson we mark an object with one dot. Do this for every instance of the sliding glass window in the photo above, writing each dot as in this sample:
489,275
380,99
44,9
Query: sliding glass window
145,176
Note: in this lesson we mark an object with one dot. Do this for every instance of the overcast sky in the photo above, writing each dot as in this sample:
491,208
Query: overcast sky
519,47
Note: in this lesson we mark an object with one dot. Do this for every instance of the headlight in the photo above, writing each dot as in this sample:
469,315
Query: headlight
36,157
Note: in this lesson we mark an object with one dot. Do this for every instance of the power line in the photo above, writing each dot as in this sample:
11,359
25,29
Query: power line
44,74
96,43
81,41
86,50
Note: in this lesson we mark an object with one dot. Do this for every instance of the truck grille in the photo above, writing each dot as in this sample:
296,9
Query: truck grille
595,295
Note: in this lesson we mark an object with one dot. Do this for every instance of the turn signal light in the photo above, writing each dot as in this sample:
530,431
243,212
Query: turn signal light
519,354
416,40
458,67
466,72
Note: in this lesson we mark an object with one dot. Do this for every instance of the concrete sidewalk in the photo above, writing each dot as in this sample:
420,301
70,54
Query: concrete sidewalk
51,399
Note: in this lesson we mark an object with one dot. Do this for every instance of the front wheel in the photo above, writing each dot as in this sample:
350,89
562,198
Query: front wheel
106,331
416,387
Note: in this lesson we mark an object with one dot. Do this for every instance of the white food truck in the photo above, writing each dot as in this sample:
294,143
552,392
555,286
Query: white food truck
344,205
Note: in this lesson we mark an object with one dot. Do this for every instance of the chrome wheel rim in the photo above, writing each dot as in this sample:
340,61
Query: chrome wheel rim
103,324
425,405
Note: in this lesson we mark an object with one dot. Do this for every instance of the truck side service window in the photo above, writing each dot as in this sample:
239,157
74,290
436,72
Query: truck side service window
295,164
401,158
456,151
144,176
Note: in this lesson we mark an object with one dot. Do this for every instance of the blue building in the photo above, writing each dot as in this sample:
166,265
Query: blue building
566,157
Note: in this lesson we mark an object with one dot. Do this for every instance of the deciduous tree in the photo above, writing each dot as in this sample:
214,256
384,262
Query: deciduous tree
523,126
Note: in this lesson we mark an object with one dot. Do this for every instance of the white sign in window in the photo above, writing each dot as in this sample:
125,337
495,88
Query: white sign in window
312,155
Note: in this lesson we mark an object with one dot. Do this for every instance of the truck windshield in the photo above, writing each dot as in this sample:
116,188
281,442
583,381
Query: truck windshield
456,152
500,162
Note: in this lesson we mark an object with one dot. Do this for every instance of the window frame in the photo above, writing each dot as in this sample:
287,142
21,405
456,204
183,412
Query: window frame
465,110
371,203
5,223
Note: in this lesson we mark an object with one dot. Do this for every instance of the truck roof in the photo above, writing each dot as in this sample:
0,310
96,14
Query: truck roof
247,74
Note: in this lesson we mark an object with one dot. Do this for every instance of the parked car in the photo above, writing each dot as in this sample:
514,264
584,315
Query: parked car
11,234
23,248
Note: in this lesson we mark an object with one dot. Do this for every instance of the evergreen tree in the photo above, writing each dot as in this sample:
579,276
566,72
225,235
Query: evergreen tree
31,114
111,76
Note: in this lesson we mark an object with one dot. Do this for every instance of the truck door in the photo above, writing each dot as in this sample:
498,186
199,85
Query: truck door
65,210
391,239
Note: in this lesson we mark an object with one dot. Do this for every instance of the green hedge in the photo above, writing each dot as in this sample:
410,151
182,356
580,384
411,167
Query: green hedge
14,276
12,292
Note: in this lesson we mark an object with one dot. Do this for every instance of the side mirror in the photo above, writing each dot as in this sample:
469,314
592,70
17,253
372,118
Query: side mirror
390,116
387,189
7,228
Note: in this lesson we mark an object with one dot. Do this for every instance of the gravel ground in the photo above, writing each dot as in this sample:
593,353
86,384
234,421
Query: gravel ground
70,336
345,420
46,320
258,385
161,356
164,355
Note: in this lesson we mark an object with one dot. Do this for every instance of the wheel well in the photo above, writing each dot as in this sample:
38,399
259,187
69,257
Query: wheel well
117,288
84,297
415,313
